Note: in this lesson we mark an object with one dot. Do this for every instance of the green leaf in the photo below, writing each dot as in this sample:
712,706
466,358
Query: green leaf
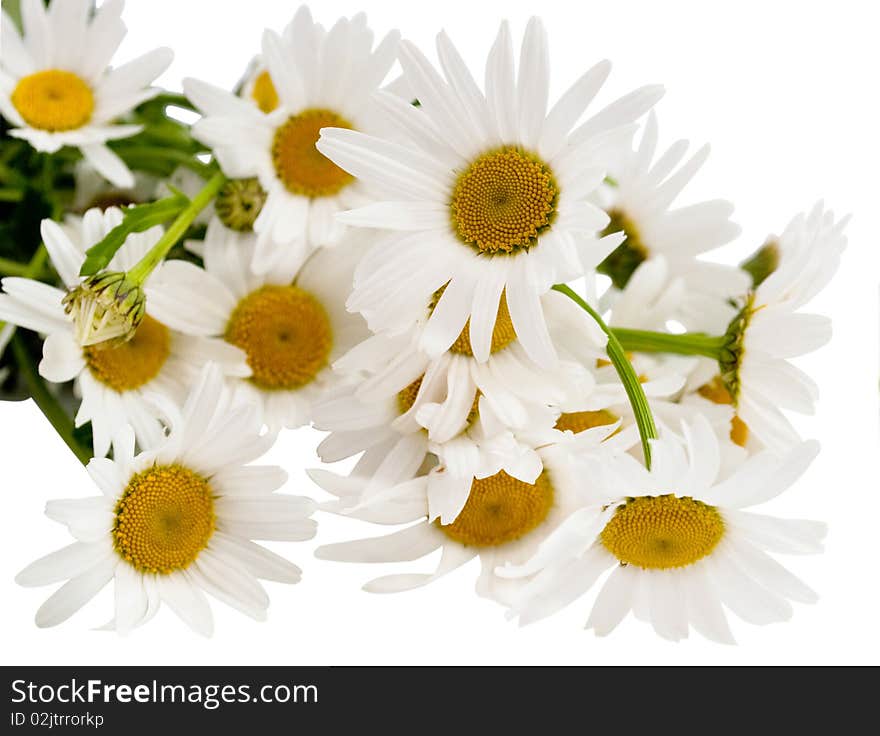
136,219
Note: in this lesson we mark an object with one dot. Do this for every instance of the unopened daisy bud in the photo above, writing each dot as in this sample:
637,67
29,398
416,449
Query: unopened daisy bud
106,308
239,203
762,262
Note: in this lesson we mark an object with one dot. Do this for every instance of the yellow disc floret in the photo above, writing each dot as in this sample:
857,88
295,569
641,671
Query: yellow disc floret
501,509
286,334
301,167
503,201
132,364
164,519
54,100
662,532
578,421
264,92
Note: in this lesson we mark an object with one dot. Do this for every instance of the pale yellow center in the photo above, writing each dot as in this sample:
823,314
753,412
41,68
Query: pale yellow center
286,334
132,364
54,100
302,168
501,509
503,201
662,532
164,519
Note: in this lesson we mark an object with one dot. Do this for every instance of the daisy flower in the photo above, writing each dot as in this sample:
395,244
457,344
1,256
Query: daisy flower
489,189
478,418
177,522
323,78
115,383
57,89
503,521
289,326
770,328
445,388
679,542
639,201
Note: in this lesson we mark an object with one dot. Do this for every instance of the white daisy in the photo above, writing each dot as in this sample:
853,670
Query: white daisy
56,86
445,388
639,200
489,188
679,542
290,325
770,329
177,522
503,521
115,383
322,79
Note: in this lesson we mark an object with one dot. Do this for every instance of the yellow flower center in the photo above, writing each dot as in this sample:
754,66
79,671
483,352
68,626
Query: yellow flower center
662,532
503,201
164,519
578,421
502,333
54,100
286,335
501,509
264,92
716,392
132,364
302,168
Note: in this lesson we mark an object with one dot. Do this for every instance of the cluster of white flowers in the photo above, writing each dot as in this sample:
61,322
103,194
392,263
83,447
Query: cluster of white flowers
398,265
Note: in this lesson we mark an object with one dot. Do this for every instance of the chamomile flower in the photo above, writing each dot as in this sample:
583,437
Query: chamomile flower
177,522
770,329
115,383
288,325
679,542
446,388
56,86
489,188
503,521
323,78
639,200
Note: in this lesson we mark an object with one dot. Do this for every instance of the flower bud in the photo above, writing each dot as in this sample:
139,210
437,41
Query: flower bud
239,203
106,308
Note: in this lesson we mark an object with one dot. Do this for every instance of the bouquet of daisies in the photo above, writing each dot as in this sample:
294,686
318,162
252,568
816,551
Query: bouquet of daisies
491,302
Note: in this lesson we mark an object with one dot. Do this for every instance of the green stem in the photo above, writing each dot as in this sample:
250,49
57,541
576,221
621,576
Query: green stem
688,343
631,384
177,230
48,404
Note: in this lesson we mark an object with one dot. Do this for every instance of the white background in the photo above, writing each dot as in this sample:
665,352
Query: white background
786,92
